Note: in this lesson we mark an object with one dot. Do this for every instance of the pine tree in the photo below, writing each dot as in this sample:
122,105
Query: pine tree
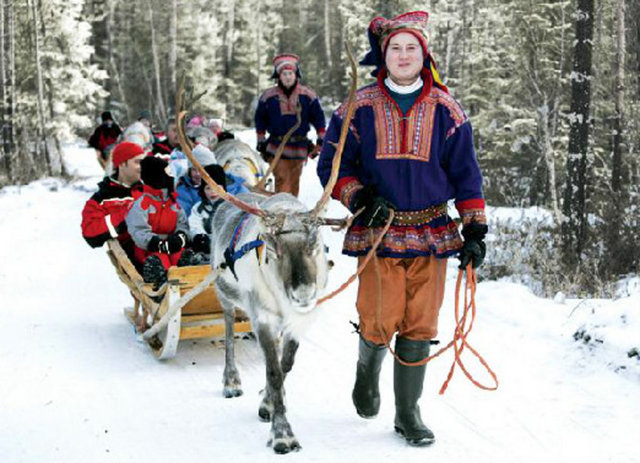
574,207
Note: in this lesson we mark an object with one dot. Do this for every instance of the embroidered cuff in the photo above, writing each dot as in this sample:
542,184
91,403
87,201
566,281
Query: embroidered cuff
471,210
345,188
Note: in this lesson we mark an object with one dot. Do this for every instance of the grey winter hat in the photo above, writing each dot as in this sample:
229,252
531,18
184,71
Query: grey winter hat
203,155
201,135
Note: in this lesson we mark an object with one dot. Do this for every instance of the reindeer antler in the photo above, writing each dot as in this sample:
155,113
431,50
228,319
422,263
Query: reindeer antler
285,139
186,148
346,121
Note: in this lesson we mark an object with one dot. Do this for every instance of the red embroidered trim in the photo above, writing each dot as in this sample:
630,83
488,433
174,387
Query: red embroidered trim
399,240
342,184
474,203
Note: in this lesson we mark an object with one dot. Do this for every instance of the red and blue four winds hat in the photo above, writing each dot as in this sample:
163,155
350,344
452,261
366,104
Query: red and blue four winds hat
286,61
381,30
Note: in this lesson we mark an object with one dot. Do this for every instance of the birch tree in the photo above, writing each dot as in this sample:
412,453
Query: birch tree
4,113
159,103
42,132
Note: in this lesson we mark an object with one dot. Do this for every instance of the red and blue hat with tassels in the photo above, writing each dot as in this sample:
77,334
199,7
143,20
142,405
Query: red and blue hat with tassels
380,32
286,61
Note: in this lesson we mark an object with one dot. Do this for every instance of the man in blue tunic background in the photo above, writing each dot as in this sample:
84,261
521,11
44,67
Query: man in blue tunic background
276,114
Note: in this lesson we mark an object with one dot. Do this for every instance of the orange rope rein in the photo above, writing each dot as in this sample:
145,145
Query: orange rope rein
461,336
460,332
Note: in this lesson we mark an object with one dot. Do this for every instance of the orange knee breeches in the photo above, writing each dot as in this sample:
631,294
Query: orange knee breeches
412,293
287,174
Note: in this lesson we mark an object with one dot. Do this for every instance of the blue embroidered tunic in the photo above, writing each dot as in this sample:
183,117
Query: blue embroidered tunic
418,162
276,114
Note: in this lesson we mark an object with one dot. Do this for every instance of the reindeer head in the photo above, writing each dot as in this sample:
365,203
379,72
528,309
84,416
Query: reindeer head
295,257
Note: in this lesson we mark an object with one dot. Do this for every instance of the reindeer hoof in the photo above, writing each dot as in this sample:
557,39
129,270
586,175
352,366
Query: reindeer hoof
284,445
229,392
264,414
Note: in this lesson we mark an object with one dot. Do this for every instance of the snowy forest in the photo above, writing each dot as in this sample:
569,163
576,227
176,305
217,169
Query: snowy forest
552,89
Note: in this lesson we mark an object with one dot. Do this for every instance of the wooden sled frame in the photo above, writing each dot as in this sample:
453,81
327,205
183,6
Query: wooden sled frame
198,313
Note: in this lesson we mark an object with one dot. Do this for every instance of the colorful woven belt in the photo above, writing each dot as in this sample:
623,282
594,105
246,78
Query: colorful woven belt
407,218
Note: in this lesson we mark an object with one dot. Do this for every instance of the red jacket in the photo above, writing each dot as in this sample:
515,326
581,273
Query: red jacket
103,216
104,136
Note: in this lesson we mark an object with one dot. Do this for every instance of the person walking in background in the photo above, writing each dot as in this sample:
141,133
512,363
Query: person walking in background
409,149
104,137
276,114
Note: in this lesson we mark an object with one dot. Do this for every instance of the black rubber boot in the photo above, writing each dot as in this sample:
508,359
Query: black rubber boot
187,258
366,394
153,271
407,385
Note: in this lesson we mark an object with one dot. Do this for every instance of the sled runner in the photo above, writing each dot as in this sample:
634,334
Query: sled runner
186,307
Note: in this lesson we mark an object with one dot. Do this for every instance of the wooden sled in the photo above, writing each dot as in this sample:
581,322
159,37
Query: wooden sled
186,307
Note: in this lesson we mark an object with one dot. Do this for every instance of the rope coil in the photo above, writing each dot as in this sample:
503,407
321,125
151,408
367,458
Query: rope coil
461,332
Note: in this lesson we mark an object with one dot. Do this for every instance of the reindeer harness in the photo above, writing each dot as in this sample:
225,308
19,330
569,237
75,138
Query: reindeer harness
231,255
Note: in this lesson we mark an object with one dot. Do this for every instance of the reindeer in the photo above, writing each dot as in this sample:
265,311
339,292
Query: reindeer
237,158
277,285
274,267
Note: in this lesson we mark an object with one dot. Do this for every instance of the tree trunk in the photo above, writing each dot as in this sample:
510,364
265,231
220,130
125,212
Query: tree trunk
162,113
327,33
49,86
3,98
8,132
549,159
113,65
574,207
31,4
617,160
228,40
173,53
259,26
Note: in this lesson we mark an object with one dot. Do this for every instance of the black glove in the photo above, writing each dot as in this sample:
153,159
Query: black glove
201,243
474,249
154,244
172,244
261,147
376,208
314,149
175,242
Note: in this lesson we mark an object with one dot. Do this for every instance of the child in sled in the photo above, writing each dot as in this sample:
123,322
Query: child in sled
202,213
157,224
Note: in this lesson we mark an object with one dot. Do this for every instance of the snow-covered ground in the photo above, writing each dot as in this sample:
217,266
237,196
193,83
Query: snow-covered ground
76,385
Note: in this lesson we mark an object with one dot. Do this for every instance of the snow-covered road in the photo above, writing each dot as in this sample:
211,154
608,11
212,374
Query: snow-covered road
76,385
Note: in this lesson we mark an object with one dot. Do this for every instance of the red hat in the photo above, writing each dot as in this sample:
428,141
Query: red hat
286,61
414,22
380,32
125,151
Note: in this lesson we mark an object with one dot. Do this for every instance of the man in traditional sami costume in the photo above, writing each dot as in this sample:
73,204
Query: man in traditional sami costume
276,114
409,148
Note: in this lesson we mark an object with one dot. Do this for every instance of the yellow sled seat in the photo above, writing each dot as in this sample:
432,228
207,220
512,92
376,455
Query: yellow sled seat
199,317
203,316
